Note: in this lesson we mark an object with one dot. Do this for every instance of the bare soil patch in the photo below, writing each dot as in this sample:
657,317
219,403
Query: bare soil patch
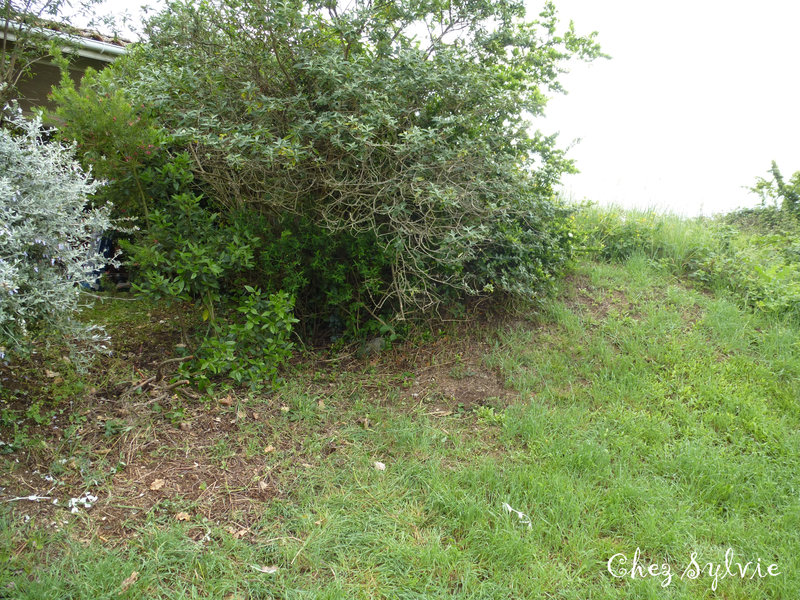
136,449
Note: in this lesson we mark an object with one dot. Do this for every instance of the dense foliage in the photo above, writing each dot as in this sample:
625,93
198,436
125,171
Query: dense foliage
249,345
118,141
407,154
47,237
354,164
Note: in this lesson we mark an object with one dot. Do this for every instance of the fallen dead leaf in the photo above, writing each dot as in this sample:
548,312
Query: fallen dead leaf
226,401
238,533
440,413
255,416
129,581
182,516
157,484
51,374
268,570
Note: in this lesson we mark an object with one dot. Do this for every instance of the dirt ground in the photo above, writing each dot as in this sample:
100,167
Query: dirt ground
143,445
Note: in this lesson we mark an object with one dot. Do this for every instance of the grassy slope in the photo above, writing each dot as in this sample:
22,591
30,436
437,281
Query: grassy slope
649,415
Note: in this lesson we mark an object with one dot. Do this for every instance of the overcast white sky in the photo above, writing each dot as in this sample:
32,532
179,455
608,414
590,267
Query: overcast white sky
699,97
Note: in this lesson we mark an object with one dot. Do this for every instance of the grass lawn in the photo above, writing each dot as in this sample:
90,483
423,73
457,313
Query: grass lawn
633,412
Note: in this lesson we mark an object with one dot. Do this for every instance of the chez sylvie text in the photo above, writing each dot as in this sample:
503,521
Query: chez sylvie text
622,566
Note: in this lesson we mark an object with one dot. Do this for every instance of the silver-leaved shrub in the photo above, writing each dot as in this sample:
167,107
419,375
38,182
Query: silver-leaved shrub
47,240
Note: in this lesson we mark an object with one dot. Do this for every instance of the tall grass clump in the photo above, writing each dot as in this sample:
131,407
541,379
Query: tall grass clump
614,234
753,254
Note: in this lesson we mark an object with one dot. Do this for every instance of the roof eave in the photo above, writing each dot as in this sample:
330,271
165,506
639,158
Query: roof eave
84,47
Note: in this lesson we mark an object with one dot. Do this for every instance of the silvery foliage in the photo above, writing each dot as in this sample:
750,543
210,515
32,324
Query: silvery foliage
48,237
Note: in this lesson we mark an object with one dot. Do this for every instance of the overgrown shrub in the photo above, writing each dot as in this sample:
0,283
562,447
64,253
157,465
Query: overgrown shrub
764,219
410,156
336,158
48,238
761,269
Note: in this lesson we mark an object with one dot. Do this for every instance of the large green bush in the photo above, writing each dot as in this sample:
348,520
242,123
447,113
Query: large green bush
332,155
351,136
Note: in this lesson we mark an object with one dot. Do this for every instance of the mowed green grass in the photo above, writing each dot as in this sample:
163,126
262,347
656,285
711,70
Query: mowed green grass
649,416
